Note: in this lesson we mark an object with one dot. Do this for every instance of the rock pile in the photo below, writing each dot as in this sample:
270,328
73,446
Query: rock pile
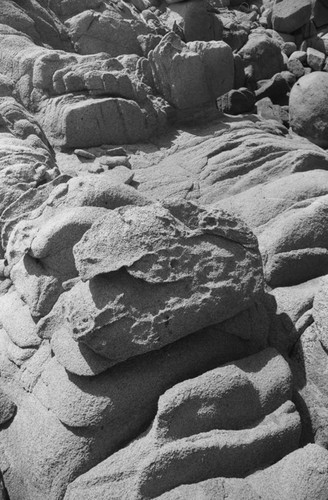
164,250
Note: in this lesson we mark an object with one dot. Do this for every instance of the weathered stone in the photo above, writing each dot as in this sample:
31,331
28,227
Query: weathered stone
236,102
262,57
294,246
308,362
300,475
308,107
209,443
319,312
226,160
84,154
91,122
189,75
16,319
276,89
315,59
179,73
195,20
143,251
269,111
7,407
218,62
262,203
296,67
292,313
299,55
111,31
289,48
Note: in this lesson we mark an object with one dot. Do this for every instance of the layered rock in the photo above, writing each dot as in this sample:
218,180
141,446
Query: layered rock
199,433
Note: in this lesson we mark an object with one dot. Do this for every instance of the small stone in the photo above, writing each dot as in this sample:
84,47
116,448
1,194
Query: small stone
269,111
289,48
95,169
114,151
276,88
115,161
84,154
296,67
289,77
315,59
236,102
298,55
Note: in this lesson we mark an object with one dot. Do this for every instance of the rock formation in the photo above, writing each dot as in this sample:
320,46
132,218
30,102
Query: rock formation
164,250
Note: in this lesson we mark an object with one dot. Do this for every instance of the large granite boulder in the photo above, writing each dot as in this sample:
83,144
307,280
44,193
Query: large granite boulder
308,107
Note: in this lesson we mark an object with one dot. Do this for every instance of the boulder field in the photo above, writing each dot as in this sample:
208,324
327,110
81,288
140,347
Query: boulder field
164,250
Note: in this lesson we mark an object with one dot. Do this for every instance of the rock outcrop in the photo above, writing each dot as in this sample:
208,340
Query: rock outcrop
164,252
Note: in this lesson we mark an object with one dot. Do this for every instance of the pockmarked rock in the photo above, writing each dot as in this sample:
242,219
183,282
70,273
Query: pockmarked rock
308,107
133,254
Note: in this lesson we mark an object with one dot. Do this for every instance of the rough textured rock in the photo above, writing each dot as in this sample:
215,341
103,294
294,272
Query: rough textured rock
142,354
308,362
307,107
61,453
114,31
294,245
7,407
300,475
64,89
189,75
149,251
218,63
227,159
171,454
315,59
195,20
319,312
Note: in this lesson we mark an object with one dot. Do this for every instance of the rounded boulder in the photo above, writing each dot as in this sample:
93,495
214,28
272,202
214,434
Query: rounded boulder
308,108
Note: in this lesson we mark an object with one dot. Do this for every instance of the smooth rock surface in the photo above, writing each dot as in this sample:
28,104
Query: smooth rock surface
307,107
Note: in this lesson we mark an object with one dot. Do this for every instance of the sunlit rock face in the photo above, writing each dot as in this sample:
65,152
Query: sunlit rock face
163,257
